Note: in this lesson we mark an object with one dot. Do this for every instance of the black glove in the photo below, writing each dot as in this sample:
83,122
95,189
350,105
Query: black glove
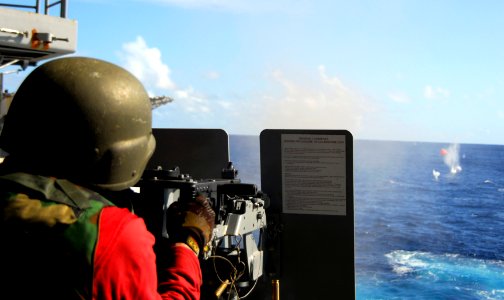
191,222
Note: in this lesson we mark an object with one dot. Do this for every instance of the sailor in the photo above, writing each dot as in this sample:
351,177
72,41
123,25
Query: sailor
78,136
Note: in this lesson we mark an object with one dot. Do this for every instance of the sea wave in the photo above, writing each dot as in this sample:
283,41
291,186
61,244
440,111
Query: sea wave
473,277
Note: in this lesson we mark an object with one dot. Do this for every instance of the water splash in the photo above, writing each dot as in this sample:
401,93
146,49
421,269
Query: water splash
436,174
451,158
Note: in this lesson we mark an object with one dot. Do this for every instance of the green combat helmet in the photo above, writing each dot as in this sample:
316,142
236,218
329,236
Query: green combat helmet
82,119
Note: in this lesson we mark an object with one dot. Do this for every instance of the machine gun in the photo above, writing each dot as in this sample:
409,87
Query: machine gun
234,261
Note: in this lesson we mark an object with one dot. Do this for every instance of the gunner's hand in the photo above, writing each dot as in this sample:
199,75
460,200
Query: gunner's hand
191,223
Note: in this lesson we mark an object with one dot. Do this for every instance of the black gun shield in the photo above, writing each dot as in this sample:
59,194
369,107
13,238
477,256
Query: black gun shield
201,153
312,254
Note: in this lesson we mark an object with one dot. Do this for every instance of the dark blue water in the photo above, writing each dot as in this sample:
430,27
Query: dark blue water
420,236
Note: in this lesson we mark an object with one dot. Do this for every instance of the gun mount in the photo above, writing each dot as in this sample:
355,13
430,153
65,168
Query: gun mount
234,259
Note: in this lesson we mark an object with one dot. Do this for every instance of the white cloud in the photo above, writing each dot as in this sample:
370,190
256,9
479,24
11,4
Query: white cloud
399,97
325,104
305,100
334,81
147,65
226,104
290,87
500,114
431,92
192,102
212,75
310,102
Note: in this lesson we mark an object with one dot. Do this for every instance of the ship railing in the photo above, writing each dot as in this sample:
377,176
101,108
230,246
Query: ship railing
40,8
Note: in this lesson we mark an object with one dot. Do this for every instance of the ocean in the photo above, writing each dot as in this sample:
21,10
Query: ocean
429,217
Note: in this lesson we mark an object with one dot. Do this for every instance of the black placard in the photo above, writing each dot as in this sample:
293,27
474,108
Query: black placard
312,250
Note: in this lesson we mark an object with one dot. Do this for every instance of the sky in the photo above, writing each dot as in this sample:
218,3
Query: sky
412,70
